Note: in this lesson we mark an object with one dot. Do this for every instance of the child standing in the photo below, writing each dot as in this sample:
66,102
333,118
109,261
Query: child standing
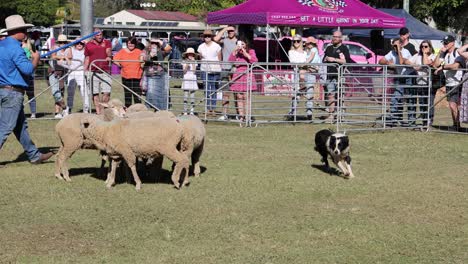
189,84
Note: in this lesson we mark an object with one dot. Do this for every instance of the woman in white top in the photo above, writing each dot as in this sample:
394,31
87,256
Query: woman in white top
425,57
298,55
210,53
76,77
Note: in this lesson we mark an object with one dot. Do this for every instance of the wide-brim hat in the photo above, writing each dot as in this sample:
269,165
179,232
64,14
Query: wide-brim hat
3,32
311,40
207,32
16,22
62,38
189,51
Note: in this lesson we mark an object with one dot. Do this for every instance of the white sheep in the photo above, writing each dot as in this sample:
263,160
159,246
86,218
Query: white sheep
137,108
68,130
193,141
130,139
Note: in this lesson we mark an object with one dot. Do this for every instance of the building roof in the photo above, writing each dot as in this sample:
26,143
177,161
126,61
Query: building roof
163,15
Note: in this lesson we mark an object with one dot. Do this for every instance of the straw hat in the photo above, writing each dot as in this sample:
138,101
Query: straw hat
189,51
3,32
207,32
62,38
311,40
297,37
16,22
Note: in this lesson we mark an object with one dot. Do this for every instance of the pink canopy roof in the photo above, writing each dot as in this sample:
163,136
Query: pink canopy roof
319,13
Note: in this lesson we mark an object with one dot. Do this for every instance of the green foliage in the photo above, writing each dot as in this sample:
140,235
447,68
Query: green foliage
446,13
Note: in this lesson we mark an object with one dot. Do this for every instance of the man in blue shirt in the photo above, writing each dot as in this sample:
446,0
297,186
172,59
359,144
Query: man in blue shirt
15,69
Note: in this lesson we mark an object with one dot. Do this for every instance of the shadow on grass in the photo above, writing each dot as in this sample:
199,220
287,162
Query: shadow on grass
451,128
331,171
124,175
23,157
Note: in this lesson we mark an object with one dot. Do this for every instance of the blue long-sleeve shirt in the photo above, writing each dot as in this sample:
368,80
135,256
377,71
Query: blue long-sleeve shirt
15,67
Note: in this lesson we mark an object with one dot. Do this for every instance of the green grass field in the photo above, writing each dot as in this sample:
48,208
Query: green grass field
262,198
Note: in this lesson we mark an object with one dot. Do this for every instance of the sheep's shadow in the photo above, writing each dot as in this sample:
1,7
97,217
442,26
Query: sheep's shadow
331,171
23,157
124,175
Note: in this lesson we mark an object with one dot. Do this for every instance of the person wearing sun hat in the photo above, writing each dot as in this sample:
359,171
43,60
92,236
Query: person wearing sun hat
189,84
15,71
59,64
210,53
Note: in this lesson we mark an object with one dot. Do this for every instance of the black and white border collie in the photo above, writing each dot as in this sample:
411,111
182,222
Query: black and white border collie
337,146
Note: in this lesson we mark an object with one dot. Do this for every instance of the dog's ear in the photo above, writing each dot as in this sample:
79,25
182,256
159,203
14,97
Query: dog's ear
345,141
332,143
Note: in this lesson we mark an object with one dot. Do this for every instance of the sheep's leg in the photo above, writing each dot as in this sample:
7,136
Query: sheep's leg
156,166
58,164
196,160
110,181
104,159
131,162
181,162
62,161
135,177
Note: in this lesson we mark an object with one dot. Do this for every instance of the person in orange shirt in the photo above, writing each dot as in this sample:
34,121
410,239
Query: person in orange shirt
129,60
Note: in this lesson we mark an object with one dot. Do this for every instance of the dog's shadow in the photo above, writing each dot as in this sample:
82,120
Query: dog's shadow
331,171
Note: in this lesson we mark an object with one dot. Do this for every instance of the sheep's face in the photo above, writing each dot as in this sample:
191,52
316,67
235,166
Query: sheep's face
116,107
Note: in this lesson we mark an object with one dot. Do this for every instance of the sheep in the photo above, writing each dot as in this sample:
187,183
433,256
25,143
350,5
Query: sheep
193,138
69,132
193,141
144,138
137,108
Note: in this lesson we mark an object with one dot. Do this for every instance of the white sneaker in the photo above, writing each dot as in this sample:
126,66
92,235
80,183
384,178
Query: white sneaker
223,118
33,116
65,111
58,115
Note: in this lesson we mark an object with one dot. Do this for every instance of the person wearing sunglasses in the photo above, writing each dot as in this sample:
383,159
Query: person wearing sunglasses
297,55
59,63
76,77
227,38
394,59
210,53
335,54
448,61
424,57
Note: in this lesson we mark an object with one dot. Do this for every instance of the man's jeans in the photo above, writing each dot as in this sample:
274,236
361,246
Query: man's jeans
211,82
403,87
12,119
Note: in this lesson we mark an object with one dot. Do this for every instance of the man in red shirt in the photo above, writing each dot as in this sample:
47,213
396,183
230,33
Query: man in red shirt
98,54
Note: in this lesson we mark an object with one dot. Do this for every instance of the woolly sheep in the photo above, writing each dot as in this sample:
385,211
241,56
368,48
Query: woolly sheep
130,139
69,132
193,141
137,108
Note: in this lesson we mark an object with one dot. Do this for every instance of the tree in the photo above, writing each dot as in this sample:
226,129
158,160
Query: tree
446,13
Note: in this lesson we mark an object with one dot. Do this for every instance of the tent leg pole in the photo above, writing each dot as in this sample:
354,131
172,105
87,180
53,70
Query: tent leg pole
268,44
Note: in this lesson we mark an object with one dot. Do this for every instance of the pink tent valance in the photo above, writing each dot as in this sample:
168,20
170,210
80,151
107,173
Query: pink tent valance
318,13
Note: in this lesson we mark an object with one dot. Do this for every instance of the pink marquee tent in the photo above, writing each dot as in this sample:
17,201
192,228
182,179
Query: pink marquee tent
317,13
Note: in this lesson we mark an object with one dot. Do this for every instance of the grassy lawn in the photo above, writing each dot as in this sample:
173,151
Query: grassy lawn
262,198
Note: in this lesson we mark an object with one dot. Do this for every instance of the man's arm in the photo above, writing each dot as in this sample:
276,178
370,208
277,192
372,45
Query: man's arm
219,37
463,51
